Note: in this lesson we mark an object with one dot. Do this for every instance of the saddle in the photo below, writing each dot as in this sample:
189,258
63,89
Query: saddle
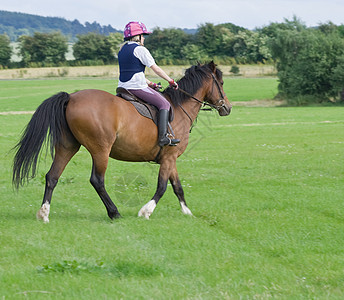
143,108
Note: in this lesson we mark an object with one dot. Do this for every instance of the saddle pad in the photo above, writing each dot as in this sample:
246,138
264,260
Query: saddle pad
143,110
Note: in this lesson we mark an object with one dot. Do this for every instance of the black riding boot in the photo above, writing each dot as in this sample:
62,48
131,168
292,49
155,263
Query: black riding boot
162,129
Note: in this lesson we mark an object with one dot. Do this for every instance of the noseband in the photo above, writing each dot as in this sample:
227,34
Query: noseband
221,102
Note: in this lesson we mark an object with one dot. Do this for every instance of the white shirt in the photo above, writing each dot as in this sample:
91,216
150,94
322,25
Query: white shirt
138,81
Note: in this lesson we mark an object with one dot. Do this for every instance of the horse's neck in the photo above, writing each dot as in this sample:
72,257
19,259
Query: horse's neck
192,108
187,114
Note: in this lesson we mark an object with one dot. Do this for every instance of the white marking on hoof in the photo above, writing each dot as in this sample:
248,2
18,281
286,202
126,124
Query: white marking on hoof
147,209
185,209
43,213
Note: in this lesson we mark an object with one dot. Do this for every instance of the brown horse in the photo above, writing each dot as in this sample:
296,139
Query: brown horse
109,126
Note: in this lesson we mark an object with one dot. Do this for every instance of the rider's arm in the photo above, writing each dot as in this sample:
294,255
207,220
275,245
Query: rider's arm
160,72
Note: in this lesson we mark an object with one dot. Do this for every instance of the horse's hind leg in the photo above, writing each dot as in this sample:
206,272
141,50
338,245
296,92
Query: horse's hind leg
97,180
63,155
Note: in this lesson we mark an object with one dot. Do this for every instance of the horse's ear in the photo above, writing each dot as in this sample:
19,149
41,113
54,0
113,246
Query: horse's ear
212,66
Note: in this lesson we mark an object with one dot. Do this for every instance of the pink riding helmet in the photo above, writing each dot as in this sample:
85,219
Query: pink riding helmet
134,28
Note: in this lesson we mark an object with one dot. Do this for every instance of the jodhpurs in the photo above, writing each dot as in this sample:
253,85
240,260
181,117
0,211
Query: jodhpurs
152,97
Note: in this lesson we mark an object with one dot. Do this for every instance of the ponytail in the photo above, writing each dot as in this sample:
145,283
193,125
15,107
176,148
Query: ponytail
136,38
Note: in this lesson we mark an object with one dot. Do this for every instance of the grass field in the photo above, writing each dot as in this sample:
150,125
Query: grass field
265,186
26,95
112,71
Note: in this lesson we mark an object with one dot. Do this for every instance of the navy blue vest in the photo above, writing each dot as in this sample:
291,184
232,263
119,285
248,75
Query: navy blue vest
129,64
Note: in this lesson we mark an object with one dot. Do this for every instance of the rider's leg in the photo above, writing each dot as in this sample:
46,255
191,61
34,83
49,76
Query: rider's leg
155,98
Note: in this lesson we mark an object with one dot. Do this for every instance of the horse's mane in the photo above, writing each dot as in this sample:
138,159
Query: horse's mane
191,82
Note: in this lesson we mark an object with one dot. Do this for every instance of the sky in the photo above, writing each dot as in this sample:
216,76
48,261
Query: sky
190,14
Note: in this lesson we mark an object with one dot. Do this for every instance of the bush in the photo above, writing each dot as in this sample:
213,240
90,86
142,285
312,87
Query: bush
309,65
235,70
43,48
92,47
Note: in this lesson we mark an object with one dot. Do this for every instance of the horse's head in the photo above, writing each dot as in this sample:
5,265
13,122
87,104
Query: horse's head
204,84
216,96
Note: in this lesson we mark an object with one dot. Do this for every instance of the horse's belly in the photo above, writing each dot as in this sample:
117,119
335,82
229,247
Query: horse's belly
122,150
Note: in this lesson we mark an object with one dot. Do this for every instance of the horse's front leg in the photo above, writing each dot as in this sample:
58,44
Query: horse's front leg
178,190
164,174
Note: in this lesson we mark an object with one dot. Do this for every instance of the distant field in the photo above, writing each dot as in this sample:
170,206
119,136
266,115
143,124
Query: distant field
265,185
112,71
247,89
28,94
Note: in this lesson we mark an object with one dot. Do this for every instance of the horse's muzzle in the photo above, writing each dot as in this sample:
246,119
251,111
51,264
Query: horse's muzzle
225,109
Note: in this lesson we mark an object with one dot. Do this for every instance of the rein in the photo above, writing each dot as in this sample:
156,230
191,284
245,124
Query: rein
219,103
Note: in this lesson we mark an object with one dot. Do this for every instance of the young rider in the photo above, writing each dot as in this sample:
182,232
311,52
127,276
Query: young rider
133,57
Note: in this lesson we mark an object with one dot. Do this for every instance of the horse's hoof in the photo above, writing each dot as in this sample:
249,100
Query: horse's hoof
147,209
114,215
43,213
185,209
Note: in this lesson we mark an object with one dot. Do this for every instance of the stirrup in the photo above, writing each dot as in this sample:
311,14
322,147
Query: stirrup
173,142
167,141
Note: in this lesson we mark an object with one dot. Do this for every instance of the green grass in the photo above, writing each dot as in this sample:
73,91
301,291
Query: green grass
266,189
246,89
28,94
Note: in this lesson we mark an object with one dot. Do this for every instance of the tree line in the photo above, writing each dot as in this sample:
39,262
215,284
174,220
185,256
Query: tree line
16,24
309,61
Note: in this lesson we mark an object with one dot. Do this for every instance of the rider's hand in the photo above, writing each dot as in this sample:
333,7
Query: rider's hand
173,84
155,86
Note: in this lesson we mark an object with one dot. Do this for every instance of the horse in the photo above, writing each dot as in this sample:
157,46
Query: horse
109,126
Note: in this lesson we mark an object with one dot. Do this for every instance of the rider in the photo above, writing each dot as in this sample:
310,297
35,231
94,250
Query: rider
133,57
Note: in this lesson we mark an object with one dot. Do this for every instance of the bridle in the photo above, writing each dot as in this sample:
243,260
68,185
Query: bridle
218,105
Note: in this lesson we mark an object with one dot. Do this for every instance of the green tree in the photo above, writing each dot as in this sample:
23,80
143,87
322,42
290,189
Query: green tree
115,40
226,42
46,48
232,27
93,46
328,28
209,38
309,64
337,80
165,45
193,53
5,50
274,29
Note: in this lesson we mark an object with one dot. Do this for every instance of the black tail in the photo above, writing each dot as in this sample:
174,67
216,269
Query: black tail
47,124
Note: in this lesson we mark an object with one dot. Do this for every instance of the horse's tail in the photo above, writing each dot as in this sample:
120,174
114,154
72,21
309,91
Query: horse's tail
46,126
